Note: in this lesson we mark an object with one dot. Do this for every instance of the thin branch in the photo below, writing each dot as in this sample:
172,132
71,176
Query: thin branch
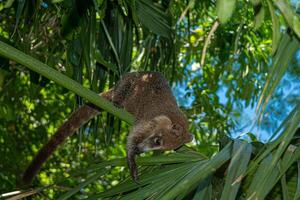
190,5
20,194
207,41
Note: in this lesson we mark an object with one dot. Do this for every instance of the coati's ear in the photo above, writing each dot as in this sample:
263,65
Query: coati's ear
189,137
162,120
177,130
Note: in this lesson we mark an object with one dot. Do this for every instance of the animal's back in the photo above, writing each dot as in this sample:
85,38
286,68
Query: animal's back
148,95
145,90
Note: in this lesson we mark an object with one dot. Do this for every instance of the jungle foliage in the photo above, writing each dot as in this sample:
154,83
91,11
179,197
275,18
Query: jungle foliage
221,57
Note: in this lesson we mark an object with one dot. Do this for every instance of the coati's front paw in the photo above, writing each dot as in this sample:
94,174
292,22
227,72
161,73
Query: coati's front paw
132,166
134,175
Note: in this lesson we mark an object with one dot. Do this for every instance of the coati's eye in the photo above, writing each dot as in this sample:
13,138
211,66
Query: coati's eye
157,141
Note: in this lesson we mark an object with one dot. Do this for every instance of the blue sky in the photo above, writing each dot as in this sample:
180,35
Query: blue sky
288,88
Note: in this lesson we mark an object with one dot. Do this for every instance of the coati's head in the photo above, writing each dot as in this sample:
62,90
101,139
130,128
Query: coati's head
156,134
161,134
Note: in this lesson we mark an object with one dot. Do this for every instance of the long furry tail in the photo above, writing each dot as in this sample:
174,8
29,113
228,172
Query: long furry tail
75,121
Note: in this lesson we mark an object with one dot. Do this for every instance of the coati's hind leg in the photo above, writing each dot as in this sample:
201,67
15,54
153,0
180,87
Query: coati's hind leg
108,95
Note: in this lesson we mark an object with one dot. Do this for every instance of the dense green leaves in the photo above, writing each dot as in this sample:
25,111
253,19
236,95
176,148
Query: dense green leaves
291,18
225,9
279,160
275,26
59,78
153,17
241,153
287,47
248,59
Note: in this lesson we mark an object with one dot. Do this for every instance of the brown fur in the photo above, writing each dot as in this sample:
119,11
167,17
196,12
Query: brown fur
159,122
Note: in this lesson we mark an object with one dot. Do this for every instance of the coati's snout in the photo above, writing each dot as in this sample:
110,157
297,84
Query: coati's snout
157,134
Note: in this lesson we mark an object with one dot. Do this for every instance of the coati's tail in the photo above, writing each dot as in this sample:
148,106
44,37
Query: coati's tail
75,121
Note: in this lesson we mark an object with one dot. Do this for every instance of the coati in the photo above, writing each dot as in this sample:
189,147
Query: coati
159,123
